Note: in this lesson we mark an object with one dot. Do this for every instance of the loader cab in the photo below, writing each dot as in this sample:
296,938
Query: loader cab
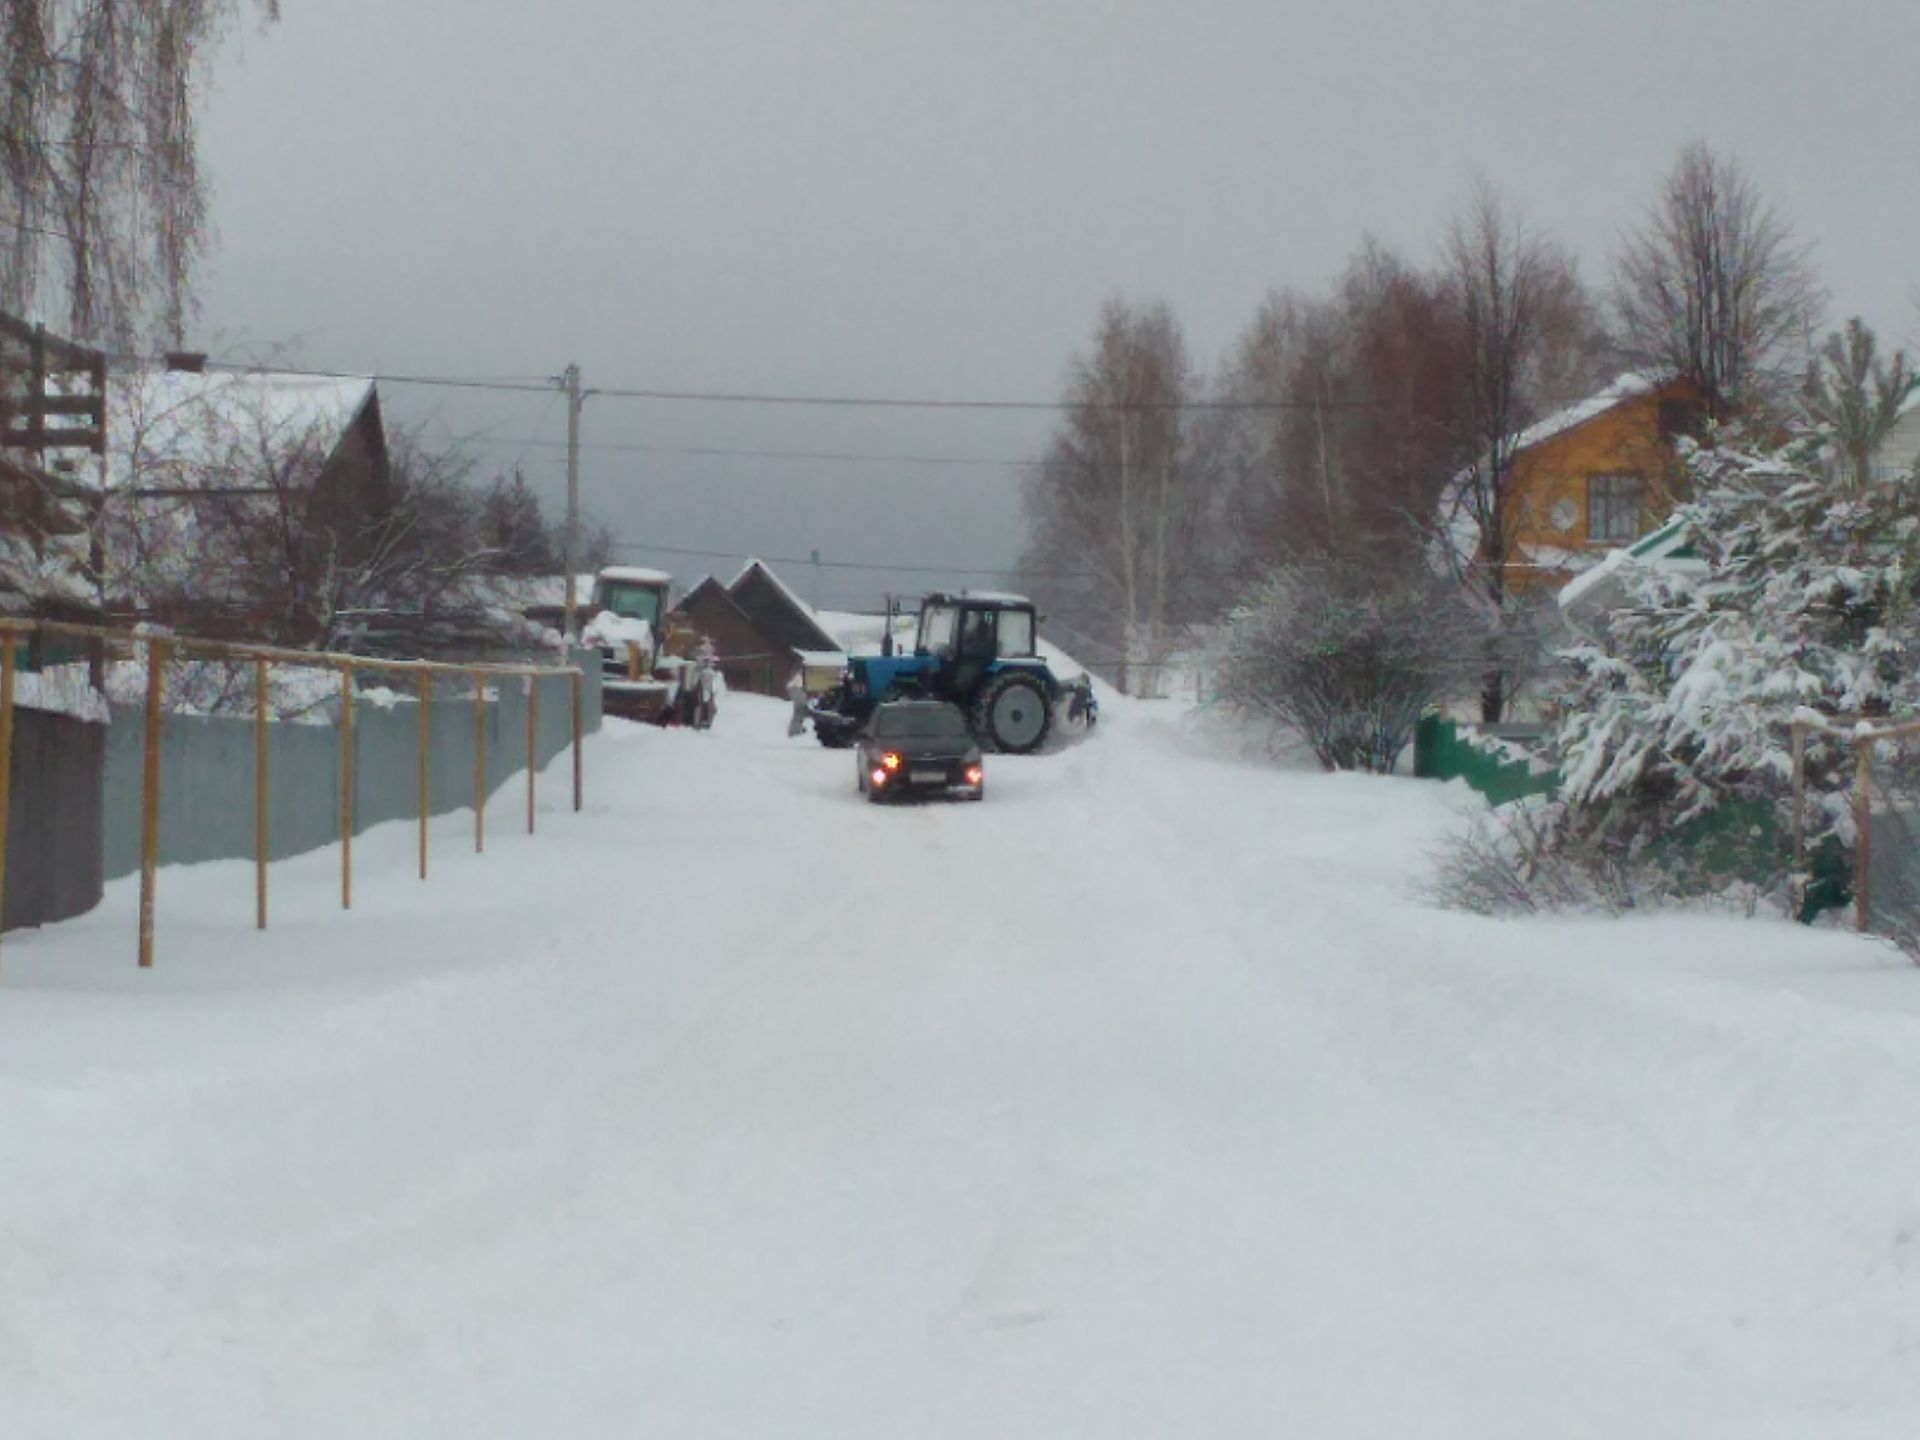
631,597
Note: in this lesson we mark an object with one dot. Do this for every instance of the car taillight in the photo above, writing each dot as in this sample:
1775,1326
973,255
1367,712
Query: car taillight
975,775
879,777
890,760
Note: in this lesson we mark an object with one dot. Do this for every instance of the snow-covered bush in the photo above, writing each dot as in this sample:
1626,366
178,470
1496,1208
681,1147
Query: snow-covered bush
1346,656
1675,736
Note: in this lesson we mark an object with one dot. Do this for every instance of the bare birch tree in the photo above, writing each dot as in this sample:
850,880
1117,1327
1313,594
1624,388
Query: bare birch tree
1713,286
1530,340
1122,494
101,195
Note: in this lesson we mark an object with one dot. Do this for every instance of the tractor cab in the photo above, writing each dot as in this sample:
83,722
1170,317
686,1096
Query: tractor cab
976,627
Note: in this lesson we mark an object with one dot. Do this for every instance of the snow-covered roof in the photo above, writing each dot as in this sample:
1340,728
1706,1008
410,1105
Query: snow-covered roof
184,428
785,589
821,658
1630,386
632,575
533,592
995,597
800,628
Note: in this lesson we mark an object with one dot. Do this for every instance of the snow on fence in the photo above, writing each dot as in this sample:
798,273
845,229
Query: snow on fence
1495,760
1885,874
169,780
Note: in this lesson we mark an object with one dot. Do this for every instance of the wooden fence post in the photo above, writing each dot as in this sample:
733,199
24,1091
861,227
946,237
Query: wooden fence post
1863,834
579,785
260,793
150,795
426,701
8,639
346,785
533,744
1799,800
479,762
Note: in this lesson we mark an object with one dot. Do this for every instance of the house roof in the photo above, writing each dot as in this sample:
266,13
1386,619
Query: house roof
711,592
521,593
777,610
1631,386
181,428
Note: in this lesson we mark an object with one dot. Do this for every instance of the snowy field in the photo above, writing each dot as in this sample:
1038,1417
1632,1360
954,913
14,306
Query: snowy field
1145,1099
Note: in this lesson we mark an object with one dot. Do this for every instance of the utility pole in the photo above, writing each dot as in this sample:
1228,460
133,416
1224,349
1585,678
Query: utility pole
570,547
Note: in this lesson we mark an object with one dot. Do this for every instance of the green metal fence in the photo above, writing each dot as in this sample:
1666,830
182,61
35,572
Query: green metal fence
1443,750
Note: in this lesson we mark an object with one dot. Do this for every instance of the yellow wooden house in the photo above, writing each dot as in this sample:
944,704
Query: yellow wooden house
1595,477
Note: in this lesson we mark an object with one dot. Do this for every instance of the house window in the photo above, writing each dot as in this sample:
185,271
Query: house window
1613,508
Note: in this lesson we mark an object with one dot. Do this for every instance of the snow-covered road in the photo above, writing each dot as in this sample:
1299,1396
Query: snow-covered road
1144,1099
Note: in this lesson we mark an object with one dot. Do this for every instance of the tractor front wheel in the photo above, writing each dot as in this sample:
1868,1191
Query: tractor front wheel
1013,712
834,737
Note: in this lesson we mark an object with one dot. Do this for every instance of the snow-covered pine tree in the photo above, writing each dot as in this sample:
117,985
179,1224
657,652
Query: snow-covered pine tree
1683,704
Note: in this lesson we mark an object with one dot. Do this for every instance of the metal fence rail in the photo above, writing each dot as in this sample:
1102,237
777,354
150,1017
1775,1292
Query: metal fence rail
162,650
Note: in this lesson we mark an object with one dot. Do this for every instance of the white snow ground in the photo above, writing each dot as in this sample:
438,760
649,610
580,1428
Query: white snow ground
1142,1100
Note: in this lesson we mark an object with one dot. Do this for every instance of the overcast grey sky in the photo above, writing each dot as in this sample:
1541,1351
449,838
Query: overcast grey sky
908,198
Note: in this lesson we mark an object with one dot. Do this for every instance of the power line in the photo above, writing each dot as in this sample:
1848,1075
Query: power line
719,397
843,564
728,397
993,462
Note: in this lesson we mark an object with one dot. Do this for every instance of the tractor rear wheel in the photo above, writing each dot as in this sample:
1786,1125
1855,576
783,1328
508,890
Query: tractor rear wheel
1014,712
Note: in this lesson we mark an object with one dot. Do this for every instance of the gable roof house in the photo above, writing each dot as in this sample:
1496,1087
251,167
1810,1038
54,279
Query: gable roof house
749,658
779,613
764,633
1593,477
244,502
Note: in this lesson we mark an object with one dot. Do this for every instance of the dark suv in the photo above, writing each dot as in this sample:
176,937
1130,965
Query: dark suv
909,747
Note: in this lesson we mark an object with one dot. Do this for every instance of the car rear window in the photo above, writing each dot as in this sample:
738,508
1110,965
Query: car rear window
944,723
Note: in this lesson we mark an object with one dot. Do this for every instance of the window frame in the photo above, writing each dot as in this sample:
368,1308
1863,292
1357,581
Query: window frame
1606,497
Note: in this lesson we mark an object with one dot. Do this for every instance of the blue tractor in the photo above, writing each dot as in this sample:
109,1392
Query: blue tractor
975,651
